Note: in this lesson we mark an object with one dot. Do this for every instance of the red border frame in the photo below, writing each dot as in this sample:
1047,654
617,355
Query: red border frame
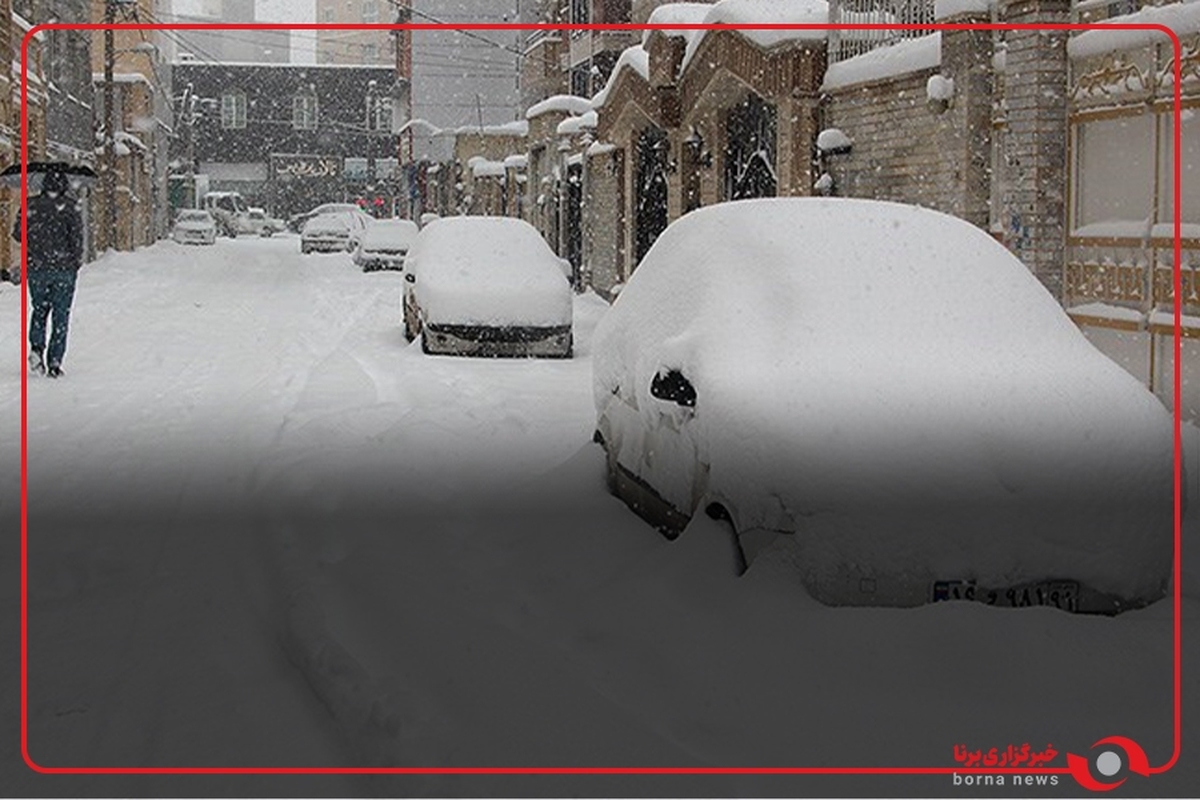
613,770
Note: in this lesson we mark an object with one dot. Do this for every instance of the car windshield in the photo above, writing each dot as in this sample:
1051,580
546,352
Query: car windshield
390,233
194,216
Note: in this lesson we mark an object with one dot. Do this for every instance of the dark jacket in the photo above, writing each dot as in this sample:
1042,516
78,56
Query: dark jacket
55,232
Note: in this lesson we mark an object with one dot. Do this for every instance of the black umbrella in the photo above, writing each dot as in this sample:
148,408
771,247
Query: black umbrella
79,176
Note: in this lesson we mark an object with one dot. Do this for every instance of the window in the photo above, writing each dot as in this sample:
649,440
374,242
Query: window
381,120
581,12
304,112
370,11
580,83
233,110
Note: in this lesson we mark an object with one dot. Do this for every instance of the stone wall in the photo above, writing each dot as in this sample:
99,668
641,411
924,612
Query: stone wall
911,148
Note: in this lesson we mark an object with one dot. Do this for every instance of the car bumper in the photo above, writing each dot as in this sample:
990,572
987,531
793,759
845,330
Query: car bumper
381,262
498,342
326,245
195,238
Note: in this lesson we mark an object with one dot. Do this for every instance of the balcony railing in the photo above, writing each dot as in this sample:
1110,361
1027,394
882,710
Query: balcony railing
1097,10
845,44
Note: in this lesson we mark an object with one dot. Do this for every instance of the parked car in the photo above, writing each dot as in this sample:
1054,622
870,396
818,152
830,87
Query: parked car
229,211
486,286
333,232
886,399
194,226
297,221
384,244
258,223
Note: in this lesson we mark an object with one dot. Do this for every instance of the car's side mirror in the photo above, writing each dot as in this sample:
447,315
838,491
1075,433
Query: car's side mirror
411,278
673,387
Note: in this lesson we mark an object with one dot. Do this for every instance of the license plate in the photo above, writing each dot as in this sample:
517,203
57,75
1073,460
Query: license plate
1057,594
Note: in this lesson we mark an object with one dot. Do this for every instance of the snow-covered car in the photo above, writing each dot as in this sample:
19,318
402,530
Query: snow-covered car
384,244
887,400
331,233
194,226
297,221
486,286
258,223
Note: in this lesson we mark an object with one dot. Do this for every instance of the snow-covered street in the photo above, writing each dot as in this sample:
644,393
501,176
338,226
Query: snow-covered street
266,531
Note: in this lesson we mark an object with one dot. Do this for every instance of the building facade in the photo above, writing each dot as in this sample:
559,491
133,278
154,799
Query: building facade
290,137
364,47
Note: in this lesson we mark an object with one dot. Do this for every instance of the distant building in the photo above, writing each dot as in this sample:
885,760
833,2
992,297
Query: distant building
251,46
351,46
289,137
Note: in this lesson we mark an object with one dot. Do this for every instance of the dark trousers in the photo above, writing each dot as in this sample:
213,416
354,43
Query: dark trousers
51,292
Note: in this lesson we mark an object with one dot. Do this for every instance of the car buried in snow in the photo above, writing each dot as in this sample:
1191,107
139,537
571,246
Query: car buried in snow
885,400
486,286
336,232
384,244
296,222
194,226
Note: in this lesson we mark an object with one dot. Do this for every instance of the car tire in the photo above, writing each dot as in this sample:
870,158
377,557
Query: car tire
425,344
720,514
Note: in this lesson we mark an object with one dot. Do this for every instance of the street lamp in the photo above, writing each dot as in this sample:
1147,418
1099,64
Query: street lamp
372,123
189,114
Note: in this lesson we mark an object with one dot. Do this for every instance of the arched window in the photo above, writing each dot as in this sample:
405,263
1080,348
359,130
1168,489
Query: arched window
750,152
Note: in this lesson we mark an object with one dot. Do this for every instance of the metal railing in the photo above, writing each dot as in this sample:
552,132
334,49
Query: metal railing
845,44
1097,10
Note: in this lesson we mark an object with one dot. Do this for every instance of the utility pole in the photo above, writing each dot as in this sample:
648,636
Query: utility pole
110,129
372,124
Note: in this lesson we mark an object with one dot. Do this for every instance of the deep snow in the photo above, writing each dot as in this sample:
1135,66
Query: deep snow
264,531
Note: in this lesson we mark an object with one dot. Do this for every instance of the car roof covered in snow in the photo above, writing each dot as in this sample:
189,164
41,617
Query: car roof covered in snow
488,271
383,232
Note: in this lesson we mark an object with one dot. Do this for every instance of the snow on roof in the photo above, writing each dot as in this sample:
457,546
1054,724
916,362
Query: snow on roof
516,161
483,168
904,56
422,126
517,128
1183,18
943,9
26,26
122,77
488,271
911,359
635,58
562,103
759,12
192,59
678,14
573,125
600,148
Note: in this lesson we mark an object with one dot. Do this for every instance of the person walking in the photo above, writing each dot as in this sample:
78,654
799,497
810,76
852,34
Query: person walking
55,254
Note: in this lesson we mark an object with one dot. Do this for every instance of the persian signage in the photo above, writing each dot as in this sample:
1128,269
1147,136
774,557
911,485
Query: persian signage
287,167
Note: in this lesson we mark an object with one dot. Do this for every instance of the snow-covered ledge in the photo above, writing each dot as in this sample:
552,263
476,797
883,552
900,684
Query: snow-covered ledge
1103,315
